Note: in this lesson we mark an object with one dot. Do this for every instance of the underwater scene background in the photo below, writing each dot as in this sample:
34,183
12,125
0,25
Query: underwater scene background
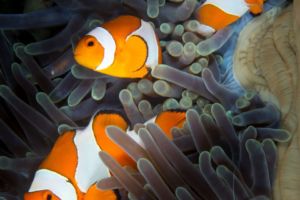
239,89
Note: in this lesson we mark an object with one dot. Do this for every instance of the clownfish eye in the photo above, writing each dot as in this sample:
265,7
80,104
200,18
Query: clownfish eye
90,43
49,197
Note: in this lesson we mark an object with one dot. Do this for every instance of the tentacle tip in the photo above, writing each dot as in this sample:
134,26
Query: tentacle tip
110,129
40,95
218,107
17,45
191,113
155,72
237,121
286,136
4,88
206,72
216,149
221,169
252,144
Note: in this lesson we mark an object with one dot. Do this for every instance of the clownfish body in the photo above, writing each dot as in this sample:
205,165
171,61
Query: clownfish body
72,168
124,47
214,15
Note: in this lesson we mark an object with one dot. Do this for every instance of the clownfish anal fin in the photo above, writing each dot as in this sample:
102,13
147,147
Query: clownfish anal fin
94,194
169,119
137,54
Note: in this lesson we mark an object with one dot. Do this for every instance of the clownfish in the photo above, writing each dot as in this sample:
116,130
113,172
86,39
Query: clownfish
124,47
72,168
214,15
166,121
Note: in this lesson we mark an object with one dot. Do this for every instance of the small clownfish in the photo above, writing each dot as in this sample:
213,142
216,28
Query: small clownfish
124,47
73,167
166,120
214,15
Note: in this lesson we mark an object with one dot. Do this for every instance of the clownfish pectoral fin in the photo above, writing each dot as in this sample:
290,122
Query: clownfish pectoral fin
95,194
169,119
255,6
100,122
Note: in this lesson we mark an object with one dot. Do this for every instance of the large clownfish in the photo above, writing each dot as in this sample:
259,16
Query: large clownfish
124,47
72,168
214,15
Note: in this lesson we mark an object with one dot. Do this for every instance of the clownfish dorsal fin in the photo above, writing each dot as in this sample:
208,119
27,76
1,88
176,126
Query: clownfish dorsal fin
100,122
169,119
109,118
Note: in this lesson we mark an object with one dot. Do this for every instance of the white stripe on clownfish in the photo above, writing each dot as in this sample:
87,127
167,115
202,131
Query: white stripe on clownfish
88,159
147,33
233,7
109,45
56,183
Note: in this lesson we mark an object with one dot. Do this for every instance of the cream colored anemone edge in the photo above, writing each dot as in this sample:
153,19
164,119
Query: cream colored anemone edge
267,59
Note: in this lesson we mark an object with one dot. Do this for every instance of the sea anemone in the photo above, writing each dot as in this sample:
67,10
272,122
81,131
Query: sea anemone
233,149
267,61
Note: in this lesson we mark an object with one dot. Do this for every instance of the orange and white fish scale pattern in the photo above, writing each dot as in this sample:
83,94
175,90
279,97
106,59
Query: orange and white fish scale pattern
125,47
89,168
217,14
108,43
76,154
56,183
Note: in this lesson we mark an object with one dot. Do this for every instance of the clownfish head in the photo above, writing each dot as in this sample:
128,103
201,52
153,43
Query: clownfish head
40,195
89,52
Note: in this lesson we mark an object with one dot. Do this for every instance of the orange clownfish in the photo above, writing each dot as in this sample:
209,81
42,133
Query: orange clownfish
72,168
214,15
124,47
166,120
